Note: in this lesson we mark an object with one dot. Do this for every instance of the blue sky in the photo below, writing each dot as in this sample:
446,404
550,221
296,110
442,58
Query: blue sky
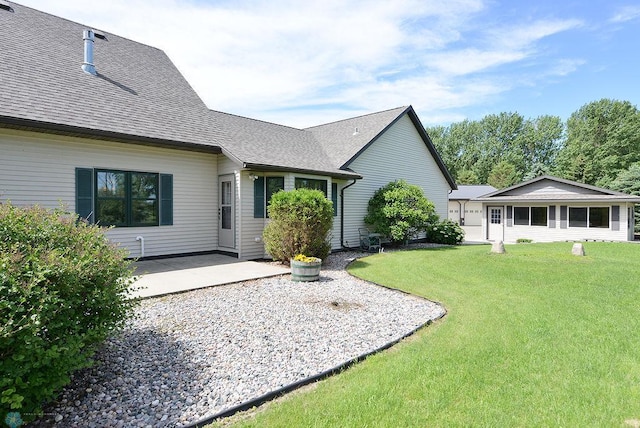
302,63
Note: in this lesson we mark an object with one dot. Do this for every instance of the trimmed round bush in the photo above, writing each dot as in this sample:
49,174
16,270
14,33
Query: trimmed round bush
445,232
300,223
400,210
64,290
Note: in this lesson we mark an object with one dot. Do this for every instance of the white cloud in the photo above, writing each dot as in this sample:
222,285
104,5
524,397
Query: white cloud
473,60
524,34
277,60
626,13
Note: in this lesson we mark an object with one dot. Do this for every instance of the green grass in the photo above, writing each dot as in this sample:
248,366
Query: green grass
534,337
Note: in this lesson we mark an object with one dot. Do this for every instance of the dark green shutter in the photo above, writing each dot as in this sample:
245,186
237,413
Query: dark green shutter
258,198
552,216
334,198
509,216
166,199
84,194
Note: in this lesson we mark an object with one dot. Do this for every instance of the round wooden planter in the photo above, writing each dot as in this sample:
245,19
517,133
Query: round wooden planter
303,271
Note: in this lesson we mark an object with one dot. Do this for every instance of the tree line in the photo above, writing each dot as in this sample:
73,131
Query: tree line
598,145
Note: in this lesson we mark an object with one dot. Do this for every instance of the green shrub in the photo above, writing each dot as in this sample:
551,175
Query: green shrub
524,241
445,232
400,210
63,288
300,223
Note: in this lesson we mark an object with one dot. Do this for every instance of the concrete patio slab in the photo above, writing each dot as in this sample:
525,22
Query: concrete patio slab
174,275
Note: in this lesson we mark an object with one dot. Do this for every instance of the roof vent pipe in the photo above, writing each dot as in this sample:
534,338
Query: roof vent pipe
87,64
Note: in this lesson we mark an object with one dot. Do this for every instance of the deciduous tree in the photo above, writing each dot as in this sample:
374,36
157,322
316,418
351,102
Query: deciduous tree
603,138
503,175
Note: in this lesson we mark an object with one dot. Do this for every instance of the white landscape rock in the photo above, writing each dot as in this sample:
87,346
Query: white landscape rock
498,247
189,356
578,249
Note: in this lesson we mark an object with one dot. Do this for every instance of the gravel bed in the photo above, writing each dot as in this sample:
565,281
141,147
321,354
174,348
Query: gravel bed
192,355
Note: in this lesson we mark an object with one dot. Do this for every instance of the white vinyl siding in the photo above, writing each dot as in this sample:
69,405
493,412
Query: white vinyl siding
547,187
335,232
555,234
38,168
400,153
251,244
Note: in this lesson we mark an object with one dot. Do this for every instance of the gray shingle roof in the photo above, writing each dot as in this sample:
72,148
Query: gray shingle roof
140,96
470,191
561,197
343,144
264,145
594,193
137,92
341,141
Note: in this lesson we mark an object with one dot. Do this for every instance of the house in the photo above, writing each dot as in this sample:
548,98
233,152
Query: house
463,209
548,209
109,128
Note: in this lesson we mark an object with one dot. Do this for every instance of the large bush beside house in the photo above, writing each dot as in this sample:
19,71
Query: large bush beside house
400,210
63,288
445,232
300,223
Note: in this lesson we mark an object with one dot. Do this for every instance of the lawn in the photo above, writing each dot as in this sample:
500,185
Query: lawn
534,337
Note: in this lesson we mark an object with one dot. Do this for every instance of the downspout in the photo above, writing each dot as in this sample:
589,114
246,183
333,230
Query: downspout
342,212
463,206
141,239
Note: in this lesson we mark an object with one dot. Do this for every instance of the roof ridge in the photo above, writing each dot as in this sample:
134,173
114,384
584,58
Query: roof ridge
257,120
356,117
108,33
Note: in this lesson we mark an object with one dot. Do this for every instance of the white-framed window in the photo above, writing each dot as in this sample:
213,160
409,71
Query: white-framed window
530,216
589,217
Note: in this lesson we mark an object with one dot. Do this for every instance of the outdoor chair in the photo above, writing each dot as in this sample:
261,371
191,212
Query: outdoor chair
369,242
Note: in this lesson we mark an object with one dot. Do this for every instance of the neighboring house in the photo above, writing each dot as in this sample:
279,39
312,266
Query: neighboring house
110,129
548,209
463,209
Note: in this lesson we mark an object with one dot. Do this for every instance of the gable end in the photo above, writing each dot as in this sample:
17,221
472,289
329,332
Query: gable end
425,138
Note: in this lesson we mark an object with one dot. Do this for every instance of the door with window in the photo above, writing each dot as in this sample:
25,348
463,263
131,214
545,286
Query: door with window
496,221
226,212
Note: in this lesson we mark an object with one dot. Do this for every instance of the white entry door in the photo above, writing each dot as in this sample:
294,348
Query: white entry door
226,213
496,222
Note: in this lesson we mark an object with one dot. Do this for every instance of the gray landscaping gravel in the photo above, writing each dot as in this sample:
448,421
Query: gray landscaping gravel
192,355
